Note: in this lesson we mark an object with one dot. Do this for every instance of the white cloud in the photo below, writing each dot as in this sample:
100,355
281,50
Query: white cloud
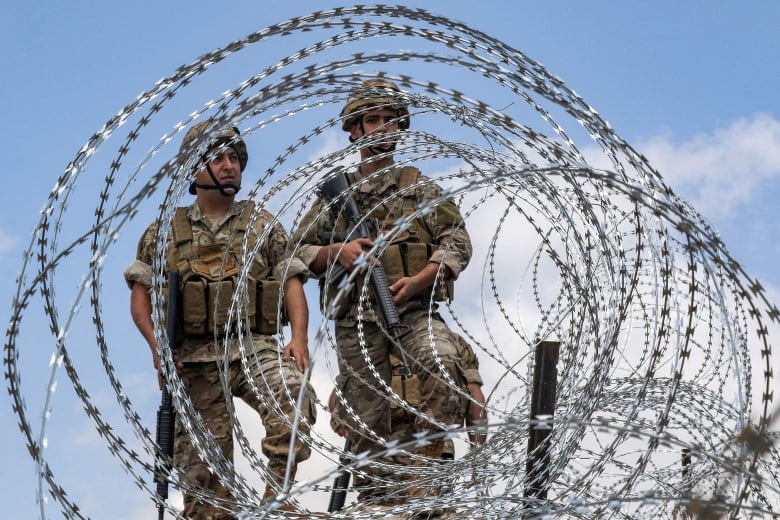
7,242
721,170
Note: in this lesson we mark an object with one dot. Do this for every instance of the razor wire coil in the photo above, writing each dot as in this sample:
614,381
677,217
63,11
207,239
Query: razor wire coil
665,338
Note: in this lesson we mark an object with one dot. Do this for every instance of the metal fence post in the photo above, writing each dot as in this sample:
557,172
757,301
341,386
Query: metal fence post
541,416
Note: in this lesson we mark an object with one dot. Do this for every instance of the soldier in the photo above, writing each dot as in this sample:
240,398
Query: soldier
374,116
206,246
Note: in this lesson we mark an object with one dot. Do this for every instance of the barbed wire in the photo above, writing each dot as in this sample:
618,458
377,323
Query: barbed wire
665,339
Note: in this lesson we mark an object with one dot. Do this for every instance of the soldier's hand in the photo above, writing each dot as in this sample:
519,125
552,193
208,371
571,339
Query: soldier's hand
158,368
352,250
159,372
410,286
299,351
337,426
404,289
477,415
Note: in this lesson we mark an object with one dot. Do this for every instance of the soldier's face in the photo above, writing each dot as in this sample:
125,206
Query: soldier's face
381,120
224,163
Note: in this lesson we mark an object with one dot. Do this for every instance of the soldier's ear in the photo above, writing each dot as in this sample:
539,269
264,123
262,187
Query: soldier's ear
355,132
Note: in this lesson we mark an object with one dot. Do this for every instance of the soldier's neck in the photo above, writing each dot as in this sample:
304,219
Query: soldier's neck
213,204
370,164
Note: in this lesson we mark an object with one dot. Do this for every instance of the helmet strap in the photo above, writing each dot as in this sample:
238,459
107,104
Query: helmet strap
217,185
377,149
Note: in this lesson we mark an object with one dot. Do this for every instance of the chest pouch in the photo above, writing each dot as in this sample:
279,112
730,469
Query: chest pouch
208,291
267,307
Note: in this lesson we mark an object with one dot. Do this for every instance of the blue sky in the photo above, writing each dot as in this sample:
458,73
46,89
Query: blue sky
693,86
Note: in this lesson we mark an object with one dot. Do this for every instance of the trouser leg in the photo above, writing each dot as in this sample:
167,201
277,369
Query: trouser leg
433,351
364,370
274,395
201,381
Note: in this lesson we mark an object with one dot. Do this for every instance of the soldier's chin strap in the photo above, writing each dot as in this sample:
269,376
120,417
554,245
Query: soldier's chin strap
217,185
378,149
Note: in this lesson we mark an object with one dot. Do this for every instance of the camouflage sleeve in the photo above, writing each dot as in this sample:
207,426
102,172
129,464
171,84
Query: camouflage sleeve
279,258
448,230
472,376
140,269
468,361
305,239
315,220
291,266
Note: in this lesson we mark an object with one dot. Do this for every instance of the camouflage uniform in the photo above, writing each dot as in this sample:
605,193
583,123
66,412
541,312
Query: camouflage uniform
277,381
382,198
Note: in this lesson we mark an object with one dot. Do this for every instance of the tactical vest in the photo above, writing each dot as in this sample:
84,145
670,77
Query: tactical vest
209,276
408,251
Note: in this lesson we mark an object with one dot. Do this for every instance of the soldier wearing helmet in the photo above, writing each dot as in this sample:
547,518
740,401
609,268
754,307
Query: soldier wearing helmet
421,261
208,245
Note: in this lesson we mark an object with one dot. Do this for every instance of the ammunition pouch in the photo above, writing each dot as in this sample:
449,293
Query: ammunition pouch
267,309
206,305
406,387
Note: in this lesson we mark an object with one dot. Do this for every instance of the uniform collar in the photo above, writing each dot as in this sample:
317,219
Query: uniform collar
378,184
195,214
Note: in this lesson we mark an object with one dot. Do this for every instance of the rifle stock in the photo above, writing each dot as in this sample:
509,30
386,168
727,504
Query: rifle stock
166,415
337,189
340,485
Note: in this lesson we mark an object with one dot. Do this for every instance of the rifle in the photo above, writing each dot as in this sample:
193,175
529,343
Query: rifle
341,483
337,189
166,415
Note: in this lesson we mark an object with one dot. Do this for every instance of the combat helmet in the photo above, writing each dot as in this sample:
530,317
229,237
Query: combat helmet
230,137
374,93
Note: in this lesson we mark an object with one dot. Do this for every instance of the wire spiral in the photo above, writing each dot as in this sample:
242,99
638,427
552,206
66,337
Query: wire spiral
665,339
